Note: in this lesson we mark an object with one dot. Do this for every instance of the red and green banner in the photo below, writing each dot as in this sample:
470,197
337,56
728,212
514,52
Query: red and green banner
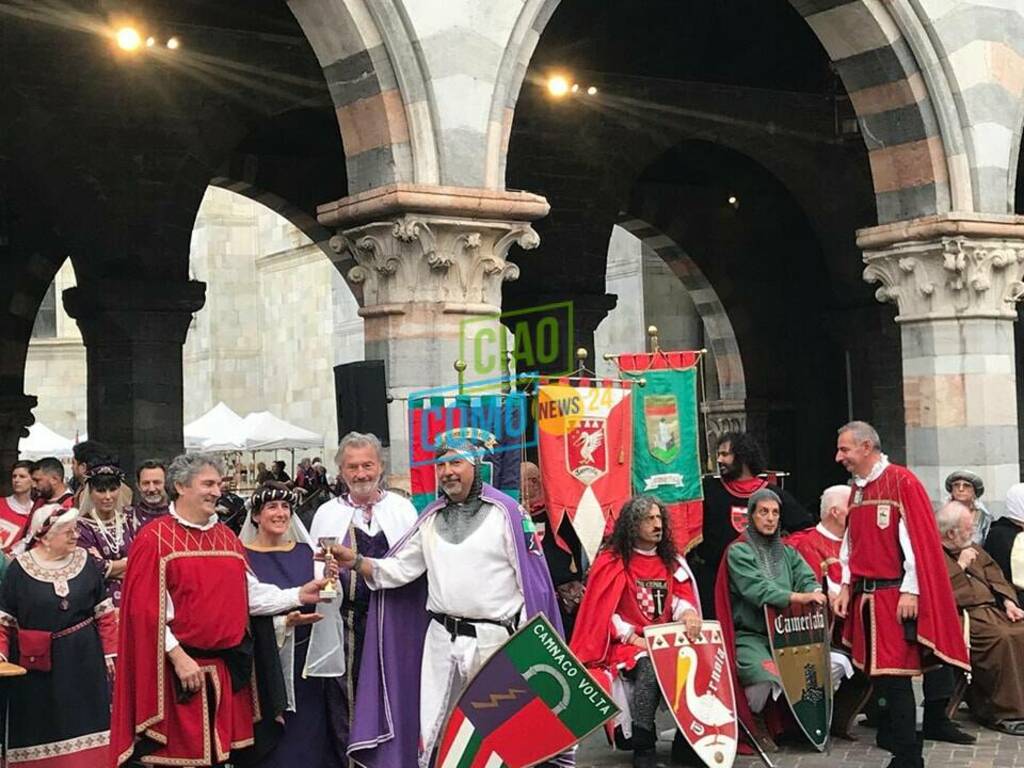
584,436
530,702
666,440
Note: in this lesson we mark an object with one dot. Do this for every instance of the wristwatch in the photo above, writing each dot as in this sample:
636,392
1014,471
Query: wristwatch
358,561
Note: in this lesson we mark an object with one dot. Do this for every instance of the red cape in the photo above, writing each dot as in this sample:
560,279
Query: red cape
591,636
144,699
938,621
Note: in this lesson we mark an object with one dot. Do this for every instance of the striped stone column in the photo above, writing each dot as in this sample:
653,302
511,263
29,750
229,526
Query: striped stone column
427,265
956,279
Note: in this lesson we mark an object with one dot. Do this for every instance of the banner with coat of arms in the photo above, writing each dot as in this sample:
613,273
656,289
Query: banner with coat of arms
666,440
585,448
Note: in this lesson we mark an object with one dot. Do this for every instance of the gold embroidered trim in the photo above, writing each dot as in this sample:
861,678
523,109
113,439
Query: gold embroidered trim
59,748
53,575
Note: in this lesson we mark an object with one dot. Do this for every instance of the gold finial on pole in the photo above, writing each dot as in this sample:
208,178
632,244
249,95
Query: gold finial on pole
460,368
582,354
652,333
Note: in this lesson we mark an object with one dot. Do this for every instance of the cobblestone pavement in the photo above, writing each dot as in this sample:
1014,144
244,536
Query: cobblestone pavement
993,750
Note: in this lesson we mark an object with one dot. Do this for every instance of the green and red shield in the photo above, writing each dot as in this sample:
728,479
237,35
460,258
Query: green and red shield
799,639
696,683
531,701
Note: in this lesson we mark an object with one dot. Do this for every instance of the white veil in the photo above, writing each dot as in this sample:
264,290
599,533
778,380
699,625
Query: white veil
325,656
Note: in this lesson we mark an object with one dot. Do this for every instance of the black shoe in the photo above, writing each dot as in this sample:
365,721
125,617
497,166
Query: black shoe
644,754
682,752
947,730
621,742
645,758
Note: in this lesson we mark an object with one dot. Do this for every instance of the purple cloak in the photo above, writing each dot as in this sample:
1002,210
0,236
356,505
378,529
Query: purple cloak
386,730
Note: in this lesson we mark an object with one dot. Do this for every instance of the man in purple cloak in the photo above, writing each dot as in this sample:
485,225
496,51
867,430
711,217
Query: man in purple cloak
446,597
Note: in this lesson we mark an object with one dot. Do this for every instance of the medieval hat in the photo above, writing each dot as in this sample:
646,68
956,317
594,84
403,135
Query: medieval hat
470,442
970,477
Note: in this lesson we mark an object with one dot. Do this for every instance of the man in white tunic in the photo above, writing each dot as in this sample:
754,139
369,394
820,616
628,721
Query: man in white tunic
484,575
368,520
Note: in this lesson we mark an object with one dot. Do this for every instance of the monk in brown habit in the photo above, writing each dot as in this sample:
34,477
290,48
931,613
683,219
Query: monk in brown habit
996,693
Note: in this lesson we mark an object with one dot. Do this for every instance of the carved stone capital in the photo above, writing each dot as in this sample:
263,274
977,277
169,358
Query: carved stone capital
950,277
458,262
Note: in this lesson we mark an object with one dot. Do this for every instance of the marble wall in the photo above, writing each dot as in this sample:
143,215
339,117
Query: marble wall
278,318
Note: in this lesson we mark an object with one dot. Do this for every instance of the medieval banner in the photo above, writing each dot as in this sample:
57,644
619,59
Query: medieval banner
503,416
666,439
799,639
530,702
585,439
697,686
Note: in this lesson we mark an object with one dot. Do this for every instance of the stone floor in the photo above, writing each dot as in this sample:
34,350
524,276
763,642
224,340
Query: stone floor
993,750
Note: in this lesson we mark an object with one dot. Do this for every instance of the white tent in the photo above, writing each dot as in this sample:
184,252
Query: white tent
219,424
263,431
43,441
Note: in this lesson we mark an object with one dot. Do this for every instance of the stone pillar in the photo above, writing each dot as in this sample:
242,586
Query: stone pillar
15,419
133,334
955,279
427,265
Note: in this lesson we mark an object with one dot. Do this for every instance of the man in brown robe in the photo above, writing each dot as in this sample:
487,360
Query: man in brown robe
996,693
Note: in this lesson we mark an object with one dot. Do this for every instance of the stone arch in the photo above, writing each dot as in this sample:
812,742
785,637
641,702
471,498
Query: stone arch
719,333
891,68
893,71
377,88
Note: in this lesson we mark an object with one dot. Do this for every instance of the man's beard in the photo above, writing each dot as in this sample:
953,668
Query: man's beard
363,487
154,499
729,471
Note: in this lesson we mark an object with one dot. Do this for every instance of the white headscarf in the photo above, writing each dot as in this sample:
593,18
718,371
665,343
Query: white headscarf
1014,508
38,526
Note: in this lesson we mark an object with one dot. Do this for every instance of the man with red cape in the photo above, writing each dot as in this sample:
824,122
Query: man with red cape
740,463
896,597
636,581
184,691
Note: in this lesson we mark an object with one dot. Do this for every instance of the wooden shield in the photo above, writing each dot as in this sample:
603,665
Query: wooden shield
696,682
799,638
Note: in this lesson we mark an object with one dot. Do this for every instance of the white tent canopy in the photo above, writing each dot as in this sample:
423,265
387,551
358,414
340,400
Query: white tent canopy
215,425
263,431
42,442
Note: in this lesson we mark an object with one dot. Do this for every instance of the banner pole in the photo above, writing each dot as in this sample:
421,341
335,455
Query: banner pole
460,368
704,408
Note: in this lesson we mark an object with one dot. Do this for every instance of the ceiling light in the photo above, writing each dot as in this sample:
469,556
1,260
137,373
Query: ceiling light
558,85
128,39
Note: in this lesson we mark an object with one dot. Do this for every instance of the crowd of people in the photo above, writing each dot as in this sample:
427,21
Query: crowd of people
204,629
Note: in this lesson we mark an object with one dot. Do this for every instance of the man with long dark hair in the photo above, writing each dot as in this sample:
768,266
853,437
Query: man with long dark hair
740,466
637,580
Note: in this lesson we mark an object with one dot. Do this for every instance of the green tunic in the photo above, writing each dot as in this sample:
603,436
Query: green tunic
750,590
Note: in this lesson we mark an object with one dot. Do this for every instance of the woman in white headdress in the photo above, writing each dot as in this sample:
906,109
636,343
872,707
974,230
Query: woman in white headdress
57,621
1005,541
281,552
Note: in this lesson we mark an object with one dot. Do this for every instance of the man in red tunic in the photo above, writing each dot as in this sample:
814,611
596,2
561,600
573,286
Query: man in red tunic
896,598
637,580
184,692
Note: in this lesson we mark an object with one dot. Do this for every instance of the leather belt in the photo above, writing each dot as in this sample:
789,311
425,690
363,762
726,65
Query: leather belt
867,586
458,626
73,629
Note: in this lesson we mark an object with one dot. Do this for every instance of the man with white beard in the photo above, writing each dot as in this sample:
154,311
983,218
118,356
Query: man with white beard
151,479
369,520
